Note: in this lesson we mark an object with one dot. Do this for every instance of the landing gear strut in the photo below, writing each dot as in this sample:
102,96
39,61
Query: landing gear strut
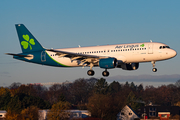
91,72
105,73
154,69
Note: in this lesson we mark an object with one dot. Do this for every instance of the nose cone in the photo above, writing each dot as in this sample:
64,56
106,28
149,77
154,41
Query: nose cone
173,53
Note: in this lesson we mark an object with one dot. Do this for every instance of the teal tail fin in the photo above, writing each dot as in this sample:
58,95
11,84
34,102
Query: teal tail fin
27,41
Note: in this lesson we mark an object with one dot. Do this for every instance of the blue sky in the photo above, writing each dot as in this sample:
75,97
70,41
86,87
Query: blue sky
61,24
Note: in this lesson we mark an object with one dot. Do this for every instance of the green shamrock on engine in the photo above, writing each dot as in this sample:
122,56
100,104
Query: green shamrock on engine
28,42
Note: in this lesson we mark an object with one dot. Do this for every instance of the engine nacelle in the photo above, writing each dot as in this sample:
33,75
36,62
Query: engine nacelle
108,63
132,66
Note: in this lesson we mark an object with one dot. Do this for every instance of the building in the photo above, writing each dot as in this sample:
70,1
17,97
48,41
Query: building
126,114
164,115
72,114
43,114
79,113
2,114
162,112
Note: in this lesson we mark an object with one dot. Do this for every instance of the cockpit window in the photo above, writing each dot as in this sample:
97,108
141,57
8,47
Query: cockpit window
162,47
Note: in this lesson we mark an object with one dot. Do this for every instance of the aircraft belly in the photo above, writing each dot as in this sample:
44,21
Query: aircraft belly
67,61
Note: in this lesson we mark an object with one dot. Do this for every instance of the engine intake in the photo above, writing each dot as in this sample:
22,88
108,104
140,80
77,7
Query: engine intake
108,63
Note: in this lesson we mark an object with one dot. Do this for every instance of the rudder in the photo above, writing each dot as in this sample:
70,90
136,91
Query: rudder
27,41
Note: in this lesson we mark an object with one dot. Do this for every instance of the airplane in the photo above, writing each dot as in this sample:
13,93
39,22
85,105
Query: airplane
125,56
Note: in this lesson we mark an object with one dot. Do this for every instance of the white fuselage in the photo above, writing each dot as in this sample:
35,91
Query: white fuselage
127,53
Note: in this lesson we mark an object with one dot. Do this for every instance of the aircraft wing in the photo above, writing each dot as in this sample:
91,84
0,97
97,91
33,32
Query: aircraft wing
83,58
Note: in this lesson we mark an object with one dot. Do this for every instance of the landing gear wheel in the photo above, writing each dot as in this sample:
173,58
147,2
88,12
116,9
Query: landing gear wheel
154,69
90,72
105,73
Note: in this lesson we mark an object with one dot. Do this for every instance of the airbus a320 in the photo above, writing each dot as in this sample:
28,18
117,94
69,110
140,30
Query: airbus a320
125,56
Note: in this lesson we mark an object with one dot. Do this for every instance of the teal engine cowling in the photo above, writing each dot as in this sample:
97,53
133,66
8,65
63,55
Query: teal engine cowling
108,63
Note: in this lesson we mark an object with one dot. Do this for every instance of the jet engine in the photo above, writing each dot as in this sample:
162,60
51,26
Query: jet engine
108,63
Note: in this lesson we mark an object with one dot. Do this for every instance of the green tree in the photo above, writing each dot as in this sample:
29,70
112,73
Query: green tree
59,111
132,101
114,87
5,98
22,101
30,113
101,86
133,87
99,105
10,115
79,91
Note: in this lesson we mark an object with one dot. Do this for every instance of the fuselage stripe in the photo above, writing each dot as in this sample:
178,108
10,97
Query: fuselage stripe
57,61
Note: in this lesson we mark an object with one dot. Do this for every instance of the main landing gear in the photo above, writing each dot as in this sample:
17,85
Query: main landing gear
90,72
154,69
104,73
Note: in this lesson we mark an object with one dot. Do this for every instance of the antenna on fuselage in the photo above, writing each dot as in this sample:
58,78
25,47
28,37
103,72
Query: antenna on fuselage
150,40
79,45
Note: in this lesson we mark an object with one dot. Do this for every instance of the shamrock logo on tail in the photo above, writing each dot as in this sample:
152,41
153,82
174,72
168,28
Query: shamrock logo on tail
28,42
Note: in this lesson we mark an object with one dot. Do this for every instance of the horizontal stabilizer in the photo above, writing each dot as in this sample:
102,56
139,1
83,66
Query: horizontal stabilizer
18,55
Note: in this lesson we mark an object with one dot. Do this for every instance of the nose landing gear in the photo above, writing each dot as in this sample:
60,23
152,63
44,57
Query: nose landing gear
154,69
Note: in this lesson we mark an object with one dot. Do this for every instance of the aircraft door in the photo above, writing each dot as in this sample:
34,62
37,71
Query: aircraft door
150,48
43,56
